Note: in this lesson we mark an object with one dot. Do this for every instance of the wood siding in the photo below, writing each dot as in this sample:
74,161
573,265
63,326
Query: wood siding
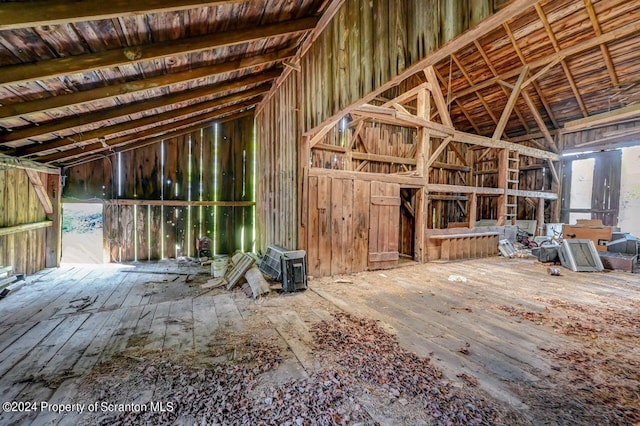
365,45
207,166
25,251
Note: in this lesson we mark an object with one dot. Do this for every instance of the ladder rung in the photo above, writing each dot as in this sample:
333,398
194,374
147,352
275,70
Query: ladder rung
517,160
512,205
513,180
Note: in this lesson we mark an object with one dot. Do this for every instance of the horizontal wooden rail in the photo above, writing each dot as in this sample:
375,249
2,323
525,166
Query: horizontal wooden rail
180,203
10,230
470,235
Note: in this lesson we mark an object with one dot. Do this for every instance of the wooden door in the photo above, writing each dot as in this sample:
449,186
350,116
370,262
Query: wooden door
384,228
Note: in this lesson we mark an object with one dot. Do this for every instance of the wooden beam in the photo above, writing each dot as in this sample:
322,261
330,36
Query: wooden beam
605,118
139,143
446,197
433,157
533,194
383,158
607,138
107,92
493,143
152,120
329,147
504,118
471,215
554,173
535,84
446,166
191,95
462,107
112,58
7,161
495,73
165,131
458,154
590,43
53,235
458,189
565,67
423,143
10,230
394,117
56,12
41,191
406,181
441,104
179,203
539,121
603,47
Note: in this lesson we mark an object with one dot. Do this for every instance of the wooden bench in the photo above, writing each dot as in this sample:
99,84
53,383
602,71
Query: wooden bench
465,246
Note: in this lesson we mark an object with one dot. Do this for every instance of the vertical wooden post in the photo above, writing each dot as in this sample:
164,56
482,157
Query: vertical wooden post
422,151
540,216
54,233
303,189
422,156
503,160
473,203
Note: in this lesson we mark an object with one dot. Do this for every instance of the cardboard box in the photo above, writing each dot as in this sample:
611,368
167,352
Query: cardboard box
600,235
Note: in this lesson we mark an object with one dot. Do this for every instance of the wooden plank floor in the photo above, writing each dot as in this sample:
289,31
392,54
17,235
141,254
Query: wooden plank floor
49,339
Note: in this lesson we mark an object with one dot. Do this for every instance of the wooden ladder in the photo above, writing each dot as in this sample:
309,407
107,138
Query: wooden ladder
513,179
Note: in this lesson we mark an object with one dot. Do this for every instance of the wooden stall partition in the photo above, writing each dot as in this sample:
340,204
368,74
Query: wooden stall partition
24,223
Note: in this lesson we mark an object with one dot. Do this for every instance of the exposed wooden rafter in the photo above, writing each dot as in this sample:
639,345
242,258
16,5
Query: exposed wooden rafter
478,94
130,55
165,131
495,73
138,107
153,120
615,34
106,92
511,102
565,67
55,12
603,47
539,121
535,84
462,108
438,98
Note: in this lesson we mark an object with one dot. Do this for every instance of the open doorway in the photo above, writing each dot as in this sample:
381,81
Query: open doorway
407,237
82,233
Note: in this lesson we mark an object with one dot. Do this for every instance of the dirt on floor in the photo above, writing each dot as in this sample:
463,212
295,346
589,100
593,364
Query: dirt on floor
597,381
366,378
